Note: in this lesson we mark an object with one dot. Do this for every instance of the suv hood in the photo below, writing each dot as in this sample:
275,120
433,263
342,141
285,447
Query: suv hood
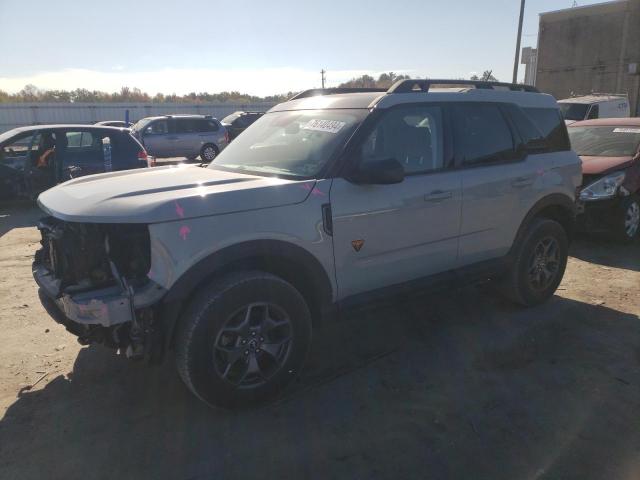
165,194
602,165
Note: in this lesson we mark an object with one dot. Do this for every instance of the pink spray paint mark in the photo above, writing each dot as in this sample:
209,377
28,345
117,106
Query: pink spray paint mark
179,209
314,191
184,231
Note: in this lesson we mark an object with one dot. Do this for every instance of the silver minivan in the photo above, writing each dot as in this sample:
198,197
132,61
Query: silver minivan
182,136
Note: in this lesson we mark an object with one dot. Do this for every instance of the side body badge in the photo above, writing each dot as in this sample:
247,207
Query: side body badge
357,244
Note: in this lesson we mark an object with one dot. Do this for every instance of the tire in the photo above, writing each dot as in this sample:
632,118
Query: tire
216,353
208,152
627,227
523,283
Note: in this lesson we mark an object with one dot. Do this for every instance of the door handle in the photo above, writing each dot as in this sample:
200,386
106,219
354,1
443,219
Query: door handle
438,195
521,182
172,138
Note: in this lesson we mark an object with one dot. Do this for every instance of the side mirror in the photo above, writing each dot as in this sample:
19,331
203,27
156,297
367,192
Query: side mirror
380,172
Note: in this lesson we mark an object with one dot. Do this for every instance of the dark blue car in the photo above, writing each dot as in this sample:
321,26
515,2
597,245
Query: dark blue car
33,159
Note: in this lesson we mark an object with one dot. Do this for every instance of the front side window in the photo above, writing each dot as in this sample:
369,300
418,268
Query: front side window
481,135
159,127
296,143
16,153
411,135
605,141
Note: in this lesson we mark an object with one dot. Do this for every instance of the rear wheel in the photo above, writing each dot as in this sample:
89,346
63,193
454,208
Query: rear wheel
628,223
539,263
242,339
208,152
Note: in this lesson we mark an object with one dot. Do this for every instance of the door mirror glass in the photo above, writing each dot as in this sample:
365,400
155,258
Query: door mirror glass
379,172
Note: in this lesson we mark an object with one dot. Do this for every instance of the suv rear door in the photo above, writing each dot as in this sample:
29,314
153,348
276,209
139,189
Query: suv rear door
495,180
389,234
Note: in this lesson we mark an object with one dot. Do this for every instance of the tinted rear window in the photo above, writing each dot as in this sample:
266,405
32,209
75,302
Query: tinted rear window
482,134
551,125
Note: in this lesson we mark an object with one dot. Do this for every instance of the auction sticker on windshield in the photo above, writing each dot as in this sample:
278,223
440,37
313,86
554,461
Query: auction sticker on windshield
626,130
329,126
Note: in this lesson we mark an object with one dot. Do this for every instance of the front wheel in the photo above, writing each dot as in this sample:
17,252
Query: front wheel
242,339
539,263
208,153
628,227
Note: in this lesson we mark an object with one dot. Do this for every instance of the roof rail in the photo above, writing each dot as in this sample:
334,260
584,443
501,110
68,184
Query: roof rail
314,92
423,85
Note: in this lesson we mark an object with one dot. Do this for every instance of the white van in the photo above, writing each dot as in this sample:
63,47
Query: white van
596,105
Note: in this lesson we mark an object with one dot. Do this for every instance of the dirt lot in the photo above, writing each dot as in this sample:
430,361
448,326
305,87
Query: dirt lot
461,385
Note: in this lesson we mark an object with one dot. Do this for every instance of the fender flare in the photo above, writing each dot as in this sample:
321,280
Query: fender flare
556,200
268,251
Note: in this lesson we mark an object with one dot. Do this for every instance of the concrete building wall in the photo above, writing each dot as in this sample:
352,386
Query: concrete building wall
591,49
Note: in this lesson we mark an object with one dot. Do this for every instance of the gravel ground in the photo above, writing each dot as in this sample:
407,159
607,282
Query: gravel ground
454,385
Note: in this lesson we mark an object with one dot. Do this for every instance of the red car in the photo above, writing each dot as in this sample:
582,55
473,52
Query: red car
609,196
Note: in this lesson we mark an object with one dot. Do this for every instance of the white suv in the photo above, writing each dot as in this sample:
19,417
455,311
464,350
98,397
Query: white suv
330,199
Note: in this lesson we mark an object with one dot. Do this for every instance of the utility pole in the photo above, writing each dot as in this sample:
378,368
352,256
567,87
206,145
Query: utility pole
515,62
322,72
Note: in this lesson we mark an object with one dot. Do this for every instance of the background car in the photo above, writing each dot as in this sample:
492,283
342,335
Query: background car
609,196
237,122
594,106
182,136
32,159
115,123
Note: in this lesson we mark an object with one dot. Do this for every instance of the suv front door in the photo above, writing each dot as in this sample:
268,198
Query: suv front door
389,234
158,139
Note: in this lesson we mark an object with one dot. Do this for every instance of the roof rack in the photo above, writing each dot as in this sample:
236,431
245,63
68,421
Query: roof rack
417,86
314,92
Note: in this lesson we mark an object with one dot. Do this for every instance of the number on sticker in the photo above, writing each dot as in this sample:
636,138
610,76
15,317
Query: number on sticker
329,126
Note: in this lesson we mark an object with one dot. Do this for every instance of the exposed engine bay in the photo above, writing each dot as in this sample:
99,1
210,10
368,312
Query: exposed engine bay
96,274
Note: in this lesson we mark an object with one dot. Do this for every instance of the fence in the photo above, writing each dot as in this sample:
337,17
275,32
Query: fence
14,115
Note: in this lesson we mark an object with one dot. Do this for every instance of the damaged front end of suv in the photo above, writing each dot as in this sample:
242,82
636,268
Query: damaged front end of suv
96,274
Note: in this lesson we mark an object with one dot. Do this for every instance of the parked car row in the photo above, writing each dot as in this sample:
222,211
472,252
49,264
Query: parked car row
33,159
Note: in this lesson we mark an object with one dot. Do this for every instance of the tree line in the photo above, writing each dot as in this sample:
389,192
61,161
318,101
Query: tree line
31,93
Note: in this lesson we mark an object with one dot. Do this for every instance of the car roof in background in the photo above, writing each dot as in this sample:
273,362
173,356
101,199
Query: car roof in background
31,128
608,122
592,99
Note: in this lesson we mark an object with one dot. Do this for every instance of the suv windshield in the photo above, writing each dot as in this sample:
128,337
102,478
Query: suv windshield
294,143
605,141
573,111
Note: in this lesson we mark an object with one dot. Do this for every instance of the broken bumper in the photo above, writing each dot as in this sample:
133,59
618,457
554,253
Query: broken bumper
106,307
598,216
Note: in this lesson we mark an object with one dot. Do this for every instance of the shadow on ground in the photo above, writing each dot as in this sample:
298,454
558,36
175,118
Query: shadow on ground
18,214
455,386
614,254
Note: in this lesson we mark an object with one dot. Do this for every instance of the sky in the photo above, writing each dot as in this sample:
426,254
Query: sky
257,47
